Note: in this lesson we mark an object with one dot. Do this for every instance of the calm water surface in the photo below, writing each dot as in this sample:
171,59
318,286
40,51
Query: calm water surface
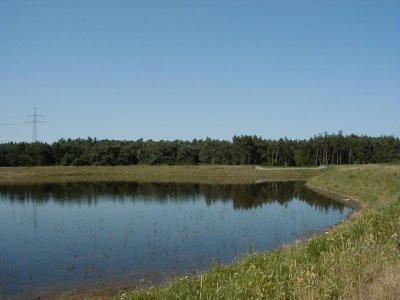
72,235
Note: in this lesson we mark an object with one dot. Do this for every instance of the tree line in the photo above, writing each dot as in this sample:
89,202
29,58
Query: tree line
322,149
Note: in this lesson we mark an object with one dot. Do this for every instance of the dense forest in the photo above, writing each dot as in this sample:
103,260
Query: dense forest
322,149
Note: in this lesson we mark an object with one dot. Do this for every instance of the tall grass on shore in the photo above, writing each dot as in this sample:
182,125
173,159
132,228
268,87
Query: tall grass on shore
358,259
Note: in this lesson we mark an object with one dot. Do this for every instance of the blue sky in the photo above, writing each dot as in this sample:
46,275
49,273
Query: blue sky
197,69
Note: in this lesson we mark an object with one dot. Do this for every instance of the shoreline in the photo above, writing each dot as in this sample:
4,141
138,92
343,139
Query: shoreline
332,264
328,182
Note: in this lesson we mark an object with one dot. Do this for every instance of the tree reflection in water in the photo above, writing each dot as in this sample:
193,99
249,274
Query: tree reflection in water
88,233
243,196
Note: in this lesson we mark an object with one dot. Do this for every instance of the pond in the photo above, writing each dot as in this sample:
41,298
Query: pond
59,237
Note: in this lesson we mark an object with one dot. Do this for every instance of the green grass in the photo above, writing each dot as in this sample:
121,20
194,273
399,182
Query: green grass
144,173
357,259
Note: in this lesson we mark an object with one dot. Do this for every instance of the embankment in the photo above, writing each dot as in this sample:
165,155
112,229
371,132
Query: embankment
357,259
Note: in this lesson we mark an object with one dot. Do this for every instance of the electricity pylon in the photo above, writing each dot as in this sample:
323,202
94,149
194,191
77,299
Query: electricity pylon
34,123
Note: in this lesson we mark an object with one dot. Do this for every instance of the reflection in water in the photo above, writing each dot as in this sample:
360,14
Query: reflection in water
74,234
243,196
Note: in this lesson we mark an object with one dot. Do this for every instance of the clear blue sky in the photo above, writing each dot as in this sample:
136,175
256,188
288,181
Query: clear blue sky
197,69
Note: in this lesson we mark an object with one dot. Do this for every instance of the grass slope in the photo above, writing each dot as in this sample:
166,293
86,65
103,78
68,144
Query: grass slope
357,259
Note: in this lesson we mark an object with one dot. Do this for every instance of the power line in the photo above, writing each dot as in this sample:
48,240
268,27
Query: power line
11,124
8,122
34,123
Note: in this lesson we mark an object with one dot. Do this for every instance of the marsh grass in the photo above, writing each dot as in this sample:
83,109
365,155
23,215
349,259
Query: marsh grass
358,259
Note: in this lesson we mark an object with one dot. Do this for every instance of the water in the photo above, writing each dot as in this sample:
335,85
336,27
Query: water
65,236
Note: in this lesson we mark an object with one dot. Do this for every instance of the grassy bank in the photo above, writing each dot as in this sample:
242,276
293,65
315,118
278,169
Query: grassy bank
190,174
357,259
